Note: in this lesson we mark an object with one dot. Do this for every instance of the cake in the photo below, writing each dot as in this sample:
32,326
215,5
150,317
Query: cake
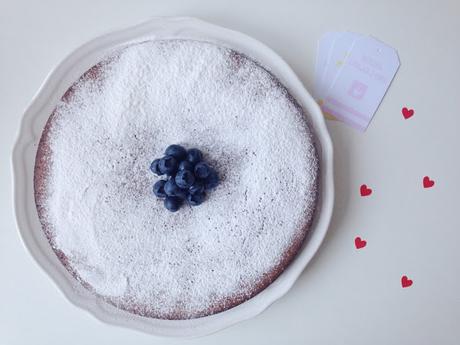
93,186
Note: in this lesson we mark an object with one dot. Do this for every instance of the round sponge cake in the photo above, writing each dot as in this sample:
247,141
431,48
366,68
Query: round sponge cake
93,186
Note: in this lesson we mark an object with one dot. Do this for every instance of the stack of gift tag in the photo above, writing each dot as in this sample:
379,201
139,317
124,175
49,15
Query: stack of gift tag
353,73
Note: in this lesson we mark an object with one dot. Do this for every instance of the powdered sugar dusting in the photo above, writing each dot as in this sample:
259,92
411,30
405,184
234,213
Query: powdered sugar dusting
118,237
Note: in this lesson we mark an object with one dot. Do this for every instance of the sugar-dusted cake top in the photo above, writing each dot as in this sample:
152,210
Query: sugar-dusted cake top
94,194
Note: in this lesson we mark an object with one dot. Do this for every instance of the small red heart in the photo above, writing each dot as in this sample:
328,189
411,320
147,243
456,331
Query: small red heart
365,191
427,183
407,112
359,243
405,282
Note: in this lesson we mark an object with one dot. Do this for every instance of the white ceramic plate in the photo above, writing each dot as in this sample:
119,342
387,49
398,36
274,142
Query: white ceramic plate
36,115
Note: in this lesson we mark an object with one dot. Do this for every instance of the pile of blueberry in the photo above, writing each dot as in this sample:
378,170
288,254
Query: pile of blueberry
188,177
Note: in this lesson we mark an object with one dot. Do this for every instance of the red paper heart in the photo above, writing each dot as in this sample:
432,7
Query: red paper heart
427,183
405,282
365,191
359,243
407,112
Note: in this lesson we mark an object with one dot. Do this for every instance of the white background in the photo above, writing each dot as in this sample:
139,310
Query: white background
345,296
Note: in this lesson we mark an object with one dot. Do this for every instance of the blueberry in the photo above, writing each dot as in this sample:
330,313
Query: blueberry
172,203
184,179
176,151
186,165
196,199
155,167
194,156
158,189
168,165
212,180
171,189
196,188
202,170
181,193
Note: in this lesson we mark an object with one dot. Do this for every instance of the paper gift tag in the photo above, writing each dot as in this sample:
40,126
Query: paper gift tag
322,55
361,82
337,55
338,45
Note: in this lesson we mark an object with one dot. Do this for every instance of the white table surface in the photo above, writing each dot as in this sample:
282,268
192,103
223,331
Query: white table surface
345,296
